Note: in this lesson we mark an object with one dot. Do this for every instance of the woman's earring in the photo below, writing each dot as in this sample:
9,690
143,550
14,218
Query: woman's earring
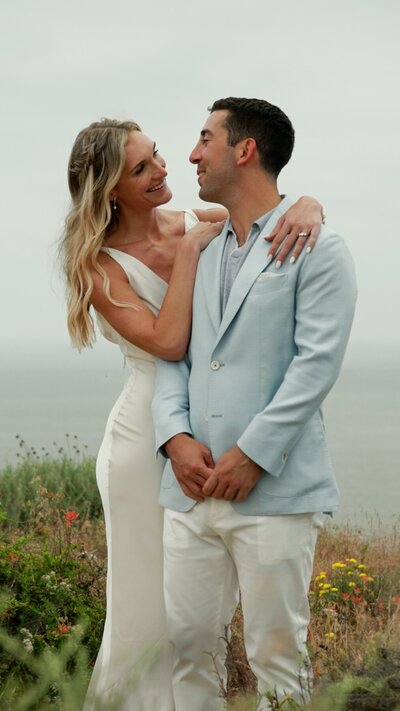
114,204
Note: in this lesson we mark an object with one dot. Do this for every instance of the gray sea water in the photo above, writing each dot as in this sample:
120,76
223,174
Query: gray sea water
47,394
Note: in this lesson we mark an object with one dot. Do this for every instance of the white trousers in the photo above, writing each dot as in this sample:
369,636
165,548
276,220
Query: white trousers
210,553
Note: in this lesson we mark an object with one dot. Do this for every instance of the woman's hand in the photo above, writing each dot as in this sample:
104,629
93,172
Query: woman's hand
203,233
299,225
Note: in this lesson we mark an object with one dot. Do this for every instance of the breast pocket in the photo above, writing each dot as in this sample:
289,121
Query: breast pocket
269,283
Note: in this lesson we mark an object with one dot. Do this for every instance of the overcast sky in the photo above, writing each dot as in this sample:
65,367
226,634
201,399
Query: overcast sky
333,67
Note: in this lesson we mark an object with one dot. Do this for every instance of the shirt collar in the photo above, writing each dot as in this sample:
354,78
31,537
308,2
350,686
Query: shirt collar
258,224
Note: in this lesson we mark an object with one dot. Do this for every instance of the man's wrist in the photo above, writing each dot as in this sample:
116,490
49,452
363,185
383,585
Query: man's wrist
176,440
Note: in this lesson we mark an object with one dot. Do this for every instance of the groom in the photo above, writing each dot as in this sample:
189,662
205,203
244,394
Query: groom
248,472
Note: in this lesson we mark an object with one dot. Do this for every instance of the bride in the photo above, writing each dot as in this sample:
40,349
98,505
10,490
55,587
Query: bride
135,263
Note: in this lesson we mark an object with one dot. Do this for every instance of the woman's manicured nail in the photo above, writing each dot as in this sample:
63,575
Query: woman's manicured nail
292,260
278,264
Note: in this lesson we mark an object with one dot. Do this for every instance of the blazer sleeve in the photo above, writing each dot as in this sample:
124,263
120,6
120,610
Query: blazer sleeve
170,404
325,298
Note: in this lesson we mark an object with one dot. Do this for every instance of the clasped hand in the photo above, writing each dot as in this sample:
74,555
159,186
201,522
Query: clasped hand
231,478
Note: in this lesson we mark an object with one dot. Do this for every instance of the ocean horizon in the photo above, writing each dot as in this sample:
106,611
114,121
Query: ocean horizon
53,399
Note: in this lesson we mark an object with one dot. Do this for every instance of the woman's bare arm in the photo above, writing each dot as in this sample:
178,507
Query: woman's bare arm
299,227
165,335
214,214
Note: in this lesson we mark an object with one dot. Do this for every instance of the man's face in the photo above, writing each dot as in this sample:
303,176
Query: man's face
215,160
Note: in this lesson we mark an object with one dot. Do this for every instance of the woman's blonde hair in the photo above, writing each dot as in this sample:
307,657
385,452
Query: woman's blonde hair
94,168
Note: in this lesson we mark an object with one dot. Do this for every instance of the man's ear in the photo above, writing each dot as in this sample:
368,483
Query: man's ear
246,150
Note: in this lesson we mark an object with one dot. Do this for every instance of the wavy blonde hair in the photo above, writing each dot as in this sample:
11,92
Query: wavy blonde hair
94,168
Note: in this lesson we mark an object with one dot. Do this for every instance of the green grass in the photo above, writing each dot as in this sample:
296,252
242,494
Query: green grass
68,473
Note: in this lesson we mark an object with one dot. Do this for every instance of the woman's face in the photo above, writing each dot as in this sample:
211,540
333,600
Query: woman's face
142,182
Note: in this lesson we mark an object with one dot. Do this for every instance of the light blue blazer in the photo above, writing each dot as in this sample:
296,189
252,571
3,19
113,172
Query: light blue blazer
257,377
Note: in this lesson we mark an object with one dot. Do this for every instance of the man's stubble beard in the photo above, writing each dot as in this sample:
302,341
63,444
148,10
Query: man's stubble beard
208,193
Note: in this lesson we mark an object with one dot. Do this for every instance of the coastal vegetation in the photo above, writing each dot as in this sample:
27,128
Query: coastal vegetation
52,600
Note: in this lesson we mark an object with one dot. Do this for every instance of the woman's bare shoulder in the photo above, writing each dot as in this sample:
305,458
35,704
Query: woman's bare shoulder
112,268
171,216
214,214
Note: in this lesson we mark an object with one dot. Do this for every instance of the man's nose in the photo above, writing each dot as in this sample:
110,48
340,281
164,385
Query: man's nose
195,154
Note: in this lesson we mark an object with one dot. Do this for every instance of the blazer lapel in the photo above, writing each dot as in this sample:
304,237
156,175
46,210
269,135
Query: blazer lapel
256,262
210,274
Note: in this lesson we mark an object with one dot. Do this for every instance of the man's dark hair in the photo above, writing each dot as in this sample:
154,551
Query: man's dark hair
266,123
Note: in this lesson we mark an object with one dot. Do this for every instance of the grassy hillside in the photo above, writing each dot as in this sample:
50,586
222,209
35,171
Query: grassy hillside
52,575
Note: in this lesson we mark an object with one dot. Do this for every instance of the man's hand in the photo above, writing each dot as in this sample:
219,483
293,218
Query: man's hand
233,477
192,463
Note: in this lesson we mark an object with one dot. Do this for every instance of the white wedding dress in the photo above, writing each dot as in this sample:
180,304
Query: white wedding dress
132,671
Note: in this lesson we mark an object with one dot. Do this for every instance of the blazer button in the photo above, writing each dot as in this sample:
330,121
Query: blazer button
215,365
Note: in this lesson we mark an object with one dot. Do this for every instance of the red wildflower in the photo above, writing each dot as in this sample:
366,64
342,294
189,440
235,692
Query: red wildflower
346,596
64,629
13,558
357,599
70,517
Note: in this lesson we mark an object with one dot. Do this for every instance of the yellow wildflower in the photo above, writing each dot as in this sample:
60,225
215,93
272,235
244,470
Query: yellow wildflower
352,585
361,566
334,589
351,560
327,586
330,635
338,564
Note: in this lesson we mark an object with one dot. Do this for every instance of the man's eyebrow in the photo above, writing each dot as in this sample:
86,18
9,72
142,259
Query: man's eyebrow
205,132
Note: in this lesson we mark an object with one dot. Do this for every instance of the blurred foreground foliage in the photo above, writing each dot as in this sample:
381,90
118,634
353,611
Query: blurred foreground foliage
52,604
